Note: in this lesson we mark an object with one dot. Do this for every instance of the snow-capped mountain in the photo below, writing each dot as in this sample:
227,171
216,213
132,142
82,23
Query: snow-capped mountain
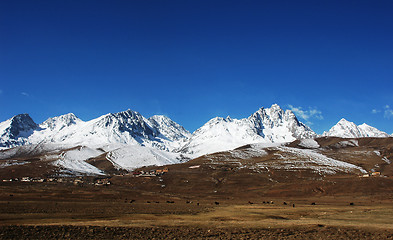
267,125
60,122
126,139
347,129
16,130
127,127
278,125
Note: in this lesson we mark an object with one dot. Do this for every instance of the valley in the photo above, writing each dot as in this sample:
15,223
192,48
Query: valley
124,176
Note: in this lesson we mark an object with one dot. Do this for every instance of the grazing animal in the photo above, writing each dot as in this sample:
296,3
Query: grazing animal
285,203
170,201
351,204
313,203
217,203
250,202
197,204
132,201
293,205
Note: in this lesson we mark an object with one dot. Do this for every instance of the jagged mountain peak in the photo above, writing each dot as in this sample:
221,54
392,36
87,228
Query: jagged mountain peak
22,119
276,118
60,122
121,117
126,121
21,123
126,127
16,130
273,108
274,114
266,125
127,114
344,121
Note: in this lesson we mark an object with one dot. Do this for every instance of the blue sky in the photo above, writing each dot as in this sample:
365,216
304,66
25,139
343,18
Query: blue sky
194,60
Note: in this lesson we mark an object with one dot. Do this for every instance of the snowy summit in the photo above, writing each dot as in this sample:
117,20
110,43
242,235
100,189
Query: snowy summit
267,125
347,129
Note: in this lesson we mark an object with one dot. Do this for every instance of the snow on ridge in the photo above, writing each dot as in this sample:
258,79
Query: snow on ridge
11,162
251,152
384,158
131,157
75,160
310,159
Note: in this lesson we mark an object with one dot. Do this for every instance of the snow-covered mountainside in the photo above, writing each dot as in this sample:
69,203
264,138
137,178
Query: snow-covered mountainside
348,129
372,131
267,125
16,130
126,127
134,156
169,129
126,157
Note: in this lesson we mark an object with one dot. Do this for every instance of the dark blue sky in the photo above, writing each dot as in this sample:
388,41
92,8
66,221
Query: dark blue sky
194,60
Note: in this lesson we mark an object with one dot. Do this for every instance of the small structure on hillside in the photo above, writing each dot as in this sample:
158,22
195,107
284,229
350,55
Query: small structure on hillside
151,173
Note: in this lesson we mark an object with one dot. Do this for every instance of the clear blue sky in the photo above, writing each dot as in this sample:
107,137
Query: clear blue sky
194,60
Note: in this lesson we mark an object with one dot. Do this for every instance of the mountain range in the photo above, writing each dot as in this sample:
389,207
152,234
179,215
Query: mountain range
129,140
126,127
267,125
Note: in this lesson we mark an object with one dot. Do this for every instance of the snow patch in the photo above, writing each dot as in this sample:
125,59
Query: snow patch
310,159
131,157
9,163
385,159
75,160
309,143
248,153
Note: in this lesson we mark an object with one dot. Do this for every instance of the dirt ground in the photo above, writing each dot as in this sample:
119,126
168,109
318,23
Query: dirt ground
65,211
188,232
